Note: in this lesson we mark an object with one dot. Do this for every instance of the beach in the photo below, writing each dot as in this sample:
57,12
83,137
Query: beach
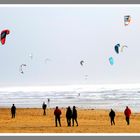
31,120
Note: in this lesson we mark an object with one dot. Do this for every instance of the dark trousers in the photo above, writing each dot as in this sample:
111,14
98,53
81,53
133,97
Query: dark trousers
44,113
57,119
74,119
112,121
13,115
127,120
69,121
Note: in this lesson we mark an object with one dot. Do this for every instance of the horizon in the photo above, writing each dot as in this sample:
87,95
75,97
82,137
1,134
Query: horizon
77,88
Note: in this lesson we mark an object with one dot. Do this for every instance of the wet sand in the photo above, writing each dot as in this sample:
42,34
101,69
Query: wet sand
31,120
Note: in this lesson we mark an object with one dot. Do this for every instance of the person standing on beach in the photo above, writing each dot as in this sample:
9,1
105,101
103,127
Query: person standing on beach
127,113
69,115
13,111
57,113
49,102
44,106
112,116
74,116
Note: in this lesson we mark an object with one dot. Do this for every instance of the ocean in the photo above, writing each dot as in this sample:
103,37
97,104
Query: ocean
116,97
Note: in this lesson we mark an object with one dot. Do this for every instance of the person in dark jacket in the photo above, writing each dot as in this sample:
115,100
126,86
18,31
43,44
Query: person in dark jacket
127,113
74,116
69,115
57,113
13,111
44,106
112,116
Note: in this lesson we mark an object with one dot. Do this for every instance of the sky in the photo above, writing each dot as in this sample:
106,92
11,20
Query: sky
65,35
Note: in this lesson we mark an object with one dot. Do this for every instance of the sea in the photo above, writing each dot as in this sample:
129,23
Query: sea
116,97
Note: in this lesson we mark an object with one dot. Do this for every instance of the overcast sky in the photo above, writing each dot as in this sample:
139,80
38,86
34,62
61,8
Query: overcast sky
65,36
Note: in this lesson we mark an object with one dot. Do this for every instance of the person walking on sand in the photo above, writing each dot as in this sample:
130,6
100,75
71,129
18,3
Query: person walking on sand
112,116
44,106
57,113
127,113
13,111
69,115
74,116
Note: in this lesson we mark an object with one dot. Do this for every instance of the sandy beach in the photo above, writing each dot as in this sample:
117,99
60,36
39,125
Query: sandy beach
31,120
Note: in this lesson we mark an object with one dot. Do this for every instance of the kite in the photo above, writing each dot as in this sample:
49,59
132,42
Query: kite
47,59
31,56
111,60
124,46
3,36
127,20
86,77
117,48
81,62
21,68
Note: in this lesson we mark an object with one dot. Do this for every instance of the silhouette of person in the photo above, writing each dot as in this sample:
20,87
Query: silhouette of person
44,106
127,113
57,113
112,116
13,111
74,116
69,115
49,102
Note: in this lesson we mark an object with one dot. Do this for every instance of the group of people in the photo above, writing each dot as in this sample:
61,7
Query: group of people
70,115
127,113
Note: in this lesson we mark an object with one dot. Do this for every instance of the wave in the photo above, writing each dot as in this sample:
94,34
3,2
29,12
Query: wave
85,96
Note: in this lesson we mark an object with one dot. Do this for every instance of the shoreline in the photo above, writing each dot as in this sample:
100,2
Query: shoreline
79,108
31,120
